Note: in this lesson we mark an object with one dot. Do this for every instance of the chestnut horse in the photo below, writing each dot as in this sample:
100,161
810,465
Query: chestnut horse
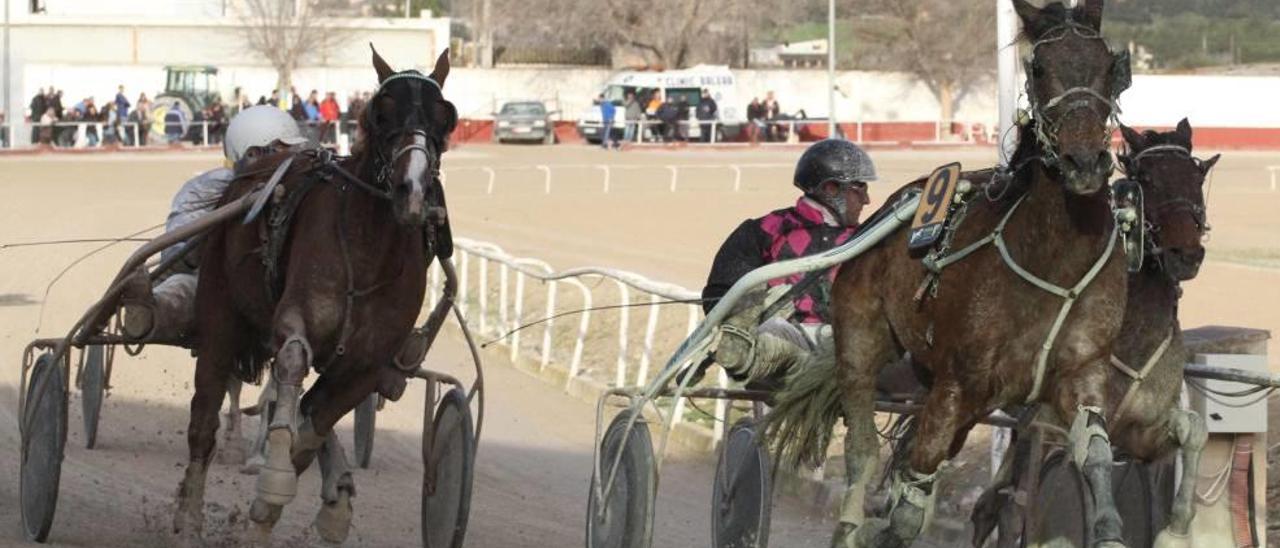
332,278
1021,304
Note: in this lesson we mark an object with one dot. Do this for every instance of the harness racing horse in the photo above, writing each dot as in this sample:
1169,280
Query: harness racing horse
332,277
1165,183
1020,304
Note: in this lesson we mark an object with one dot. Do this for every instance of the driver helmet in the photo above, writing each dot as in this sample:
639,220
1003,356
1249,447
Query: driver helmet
259,126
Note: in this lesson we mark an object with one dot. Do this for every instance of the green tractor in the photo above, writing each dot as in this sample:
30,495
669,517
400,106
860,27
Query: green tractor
191,88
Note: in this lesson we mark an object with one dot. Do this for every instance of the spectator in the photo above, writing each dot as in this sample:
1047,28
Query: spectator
217,122
755,119
632,112
274,100
330,114
141,117
238,101
55,106
4,131
298,111
174,121
608,111
39,104
707,113
771,117
668,113
122,103
110,124
46,127
91,127
262,99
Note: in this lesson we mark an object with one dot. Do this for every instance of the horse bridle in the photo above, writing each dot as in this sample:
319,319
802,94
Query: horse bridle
415,123
1154,215
1047,127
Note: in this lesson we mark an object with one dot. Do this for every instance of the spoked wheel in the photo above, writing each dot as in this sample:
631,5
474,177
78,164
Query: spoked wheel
446,491
741,493
1062,507
624,517
366,425
93,384
44,436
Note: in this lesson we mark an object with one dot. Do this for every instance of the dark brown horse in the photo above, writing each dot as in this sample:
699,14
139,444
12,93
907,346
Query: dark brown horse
1142,404
1024,305
331,277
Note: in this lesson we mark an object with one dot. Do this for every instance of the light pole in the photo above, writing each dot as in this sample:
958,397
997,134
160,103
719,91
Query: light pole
1007,76
831,68
8,82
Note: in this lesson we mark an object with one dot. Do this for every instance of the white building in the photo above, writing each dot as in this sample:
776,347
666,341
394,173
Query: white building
89,47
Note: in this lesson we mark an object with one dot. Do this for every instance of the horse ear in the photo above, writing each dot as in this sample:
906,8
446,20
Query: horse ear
384,70
1093,13
1184,130
442,68
1029,14
1207,165
1136,140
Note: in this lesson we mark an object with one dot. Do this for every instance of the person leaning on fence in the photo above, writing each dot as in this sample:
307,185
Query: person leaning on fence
832,175
39,104
707,113
167,311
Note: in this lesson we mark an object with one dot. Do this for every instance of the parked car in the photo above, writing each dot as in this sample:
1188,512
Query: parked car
524,121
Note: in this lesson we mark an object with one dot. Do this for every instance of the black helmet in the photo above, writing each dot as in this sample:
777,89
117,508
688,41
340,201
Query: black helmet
833,160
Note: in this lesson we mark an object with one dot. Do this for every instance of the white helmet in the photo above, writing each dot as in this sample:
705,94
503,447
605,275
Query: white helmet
259,126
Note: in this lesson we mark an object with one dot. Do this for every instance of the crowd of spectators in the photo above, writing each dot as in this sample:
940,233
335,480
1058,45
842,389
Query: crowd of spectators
124,122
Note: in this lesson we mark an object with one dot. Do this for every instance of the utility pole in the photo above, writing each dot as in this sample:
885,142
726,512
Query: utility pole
1007,76
831,68
9,114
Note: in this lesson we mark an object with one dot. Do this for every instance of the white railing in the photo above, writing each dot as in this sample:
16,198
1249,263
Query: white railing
671,171
1275,173
782,131
476,261
78,134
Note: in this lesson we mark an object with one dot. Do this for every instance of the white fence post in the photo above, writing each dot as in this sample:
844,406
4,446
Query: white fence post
547,332
462,282
737,177
605,168
502,296
546,173
483,297
492,177
620,378
515,327
674,173
649,329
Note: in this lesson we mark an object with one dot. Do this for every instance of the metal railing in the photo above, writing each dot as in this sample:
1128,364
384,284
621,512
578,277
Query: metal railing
784,131
98,134
477,262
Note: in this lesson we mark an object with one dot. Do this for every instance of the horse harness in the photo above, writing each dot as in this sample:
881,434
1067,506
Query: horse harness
1149,246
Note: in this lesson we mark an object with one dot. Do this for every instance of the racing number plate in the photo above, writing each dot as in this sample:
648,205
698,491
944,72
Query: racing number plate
935,203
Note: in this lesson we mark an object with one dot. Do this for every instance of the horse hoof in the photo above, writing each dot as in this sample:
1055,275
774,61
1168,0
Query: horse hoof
844,535
188,539
277,480
233,451
875,533
333,521
1169,539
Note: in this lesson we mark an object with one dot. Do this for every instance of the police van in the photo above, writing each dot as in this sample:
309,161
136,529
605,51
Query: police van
687,83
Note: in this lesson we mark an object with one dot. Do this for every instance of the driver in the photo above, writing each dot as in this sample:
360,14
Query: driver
167,311
832,175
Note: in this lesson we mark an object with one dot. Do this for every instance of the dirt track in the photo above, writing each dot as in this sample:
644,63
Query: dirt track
534,462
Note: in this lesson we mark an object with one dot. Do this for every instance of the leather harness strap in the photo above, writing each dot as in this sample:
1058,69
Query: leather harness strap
1138,376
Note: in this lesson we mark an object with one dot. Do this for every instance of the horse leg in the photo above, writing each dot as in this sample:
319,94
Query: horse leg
233,443
864,344
1187,429
277,479
212,368
1080,404
333,521
942,426
266,410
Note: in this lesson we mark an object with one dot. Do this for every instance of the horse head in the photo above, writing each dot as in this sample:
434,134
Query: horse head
1172,183
1073,80
405,127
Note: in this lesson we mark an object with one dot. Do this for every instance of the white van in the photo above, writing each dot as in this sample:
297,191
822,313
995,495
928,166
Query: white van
689,83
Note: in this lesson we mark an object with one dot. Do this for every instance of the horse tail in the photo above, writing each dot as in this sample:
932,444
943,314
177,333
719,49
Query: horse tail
799,426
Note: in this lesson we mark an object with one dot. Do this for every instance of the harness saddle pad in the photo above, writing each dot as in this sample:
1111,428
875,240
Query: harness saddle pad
935,205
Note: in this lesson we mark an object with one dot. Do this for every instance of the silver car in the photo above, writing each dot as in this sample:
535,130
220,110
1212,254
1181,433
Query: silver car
524,121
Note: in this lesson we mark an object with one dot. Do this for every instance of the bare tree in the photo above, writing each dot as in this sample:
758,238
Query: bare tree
948,45
666,30
288,33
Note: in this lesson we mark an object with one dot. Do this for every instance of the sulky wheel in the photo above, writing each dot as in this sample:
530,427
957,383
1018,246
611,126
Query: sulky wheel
448,471
625,519
93,382
1060,513
366,421
740,495
44,436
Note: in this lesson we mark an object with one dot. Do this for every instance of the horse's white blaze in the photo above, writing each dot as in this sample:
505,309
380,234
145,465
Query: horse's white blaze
416,170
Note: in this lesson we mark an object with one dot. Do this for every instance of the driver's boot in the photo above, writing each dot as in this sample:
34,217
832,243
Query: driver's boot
139,306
